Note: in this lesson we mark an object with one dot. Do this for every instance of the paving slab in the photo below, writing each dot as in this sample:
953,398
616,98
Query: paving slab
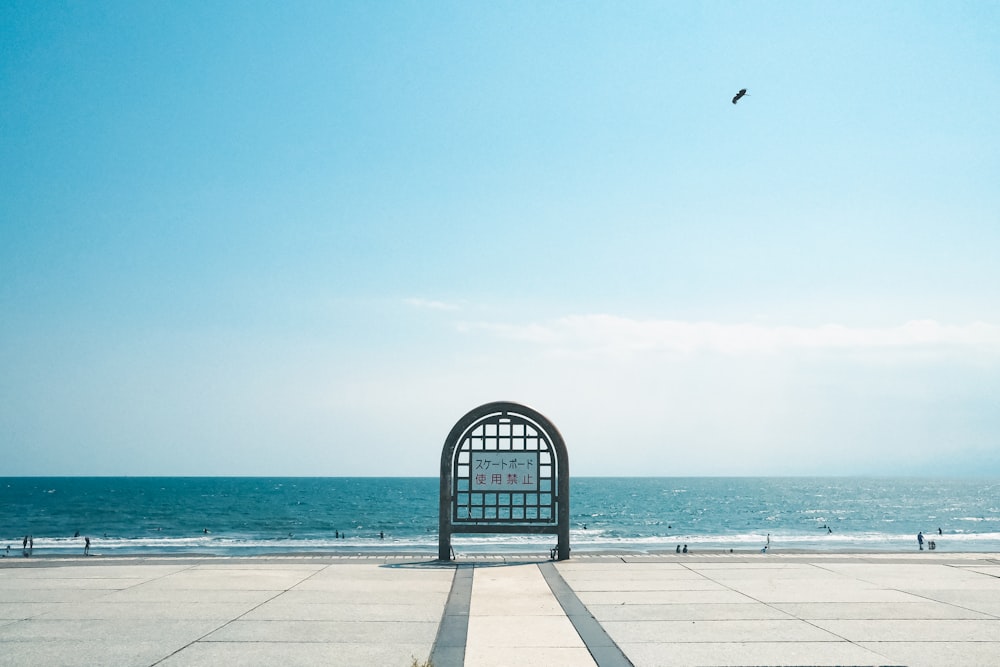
937,654
737,654
342,585
20,610
18,596
103,610
643,572
724,609
914,630
991,570
176,614
81,584
647,585
793,612
167,595
923,576
534,656
285,609
756,630
97,569
984,601
848,592
290,654
514,619
390,596
125,630
688,612
87,653
258,565
877,610
747,572
330,632
515,591
243,579
611,597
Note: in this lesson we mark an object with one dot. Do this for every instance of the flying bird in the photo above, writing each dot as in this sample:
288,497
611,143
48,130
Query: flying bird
743,91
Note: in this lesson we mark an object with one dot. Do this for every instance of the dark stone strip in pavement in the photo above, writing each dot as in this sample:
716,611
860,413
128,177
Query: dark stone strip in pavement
453,632
603,649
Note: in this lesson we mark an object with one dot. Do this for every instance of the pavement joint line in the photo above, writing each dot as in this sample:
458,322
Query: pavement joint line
602,647
276,595
453,631
796,617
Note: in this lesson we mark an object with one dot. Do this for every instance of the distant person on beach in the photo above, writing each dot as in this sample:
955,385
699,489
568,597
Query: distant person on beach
769,539
920,540
678,548
685,549
939,531
86,546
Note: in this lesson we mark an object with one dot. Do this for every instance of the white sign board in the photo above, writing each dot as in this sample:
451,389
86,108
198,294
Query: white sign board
504,471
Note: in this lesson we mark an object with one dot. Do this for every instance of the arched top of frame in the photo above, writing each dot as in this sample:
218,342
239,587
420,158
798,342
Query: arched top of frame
478,422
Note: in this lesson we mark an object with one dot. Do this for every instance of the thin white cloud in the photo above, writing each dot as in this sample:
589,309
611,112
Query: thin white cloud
430,304
619,335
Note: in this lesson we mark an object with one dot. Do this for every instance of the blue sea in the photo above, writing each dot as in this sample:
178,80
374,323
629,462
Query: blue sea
258,516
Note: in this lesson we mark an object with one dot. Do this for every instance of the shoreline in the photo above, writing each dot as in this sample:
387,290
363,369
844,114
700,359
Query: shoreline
70,547
527,556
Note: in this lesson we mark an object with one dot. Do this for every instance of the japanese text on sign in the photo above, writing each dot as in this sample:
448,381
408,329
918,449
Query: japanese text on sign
504,471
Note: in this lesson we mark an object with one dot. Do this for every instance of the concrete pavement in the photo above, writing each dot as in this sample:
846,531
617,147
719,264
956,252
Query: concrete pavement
610,611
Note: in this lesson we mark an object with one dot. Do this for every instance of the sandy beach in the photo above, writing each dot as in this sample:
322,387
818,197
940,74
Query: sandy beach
607,610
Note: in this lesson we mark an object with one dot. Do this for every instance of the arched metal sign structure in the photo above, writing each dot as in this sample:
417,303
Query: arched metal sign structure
504,469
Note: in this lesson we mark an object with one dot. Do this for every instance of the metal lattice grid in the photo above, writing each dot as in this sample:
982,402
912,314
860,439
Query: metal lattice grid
504,472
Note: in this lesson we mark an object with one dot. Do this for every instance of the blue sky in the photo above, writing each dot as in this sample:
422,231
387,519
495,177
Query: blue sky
305,238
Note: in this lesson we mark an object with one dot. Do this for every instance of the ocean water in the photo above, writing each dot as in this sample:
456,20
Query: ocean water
253,516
